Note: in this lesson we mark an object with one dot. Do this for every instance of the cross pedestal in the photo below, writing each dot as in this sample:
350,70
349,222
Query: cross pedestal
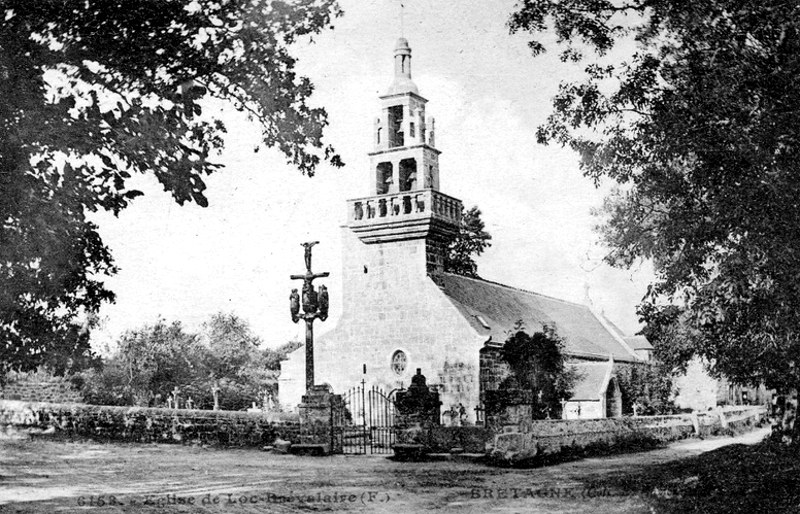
319,412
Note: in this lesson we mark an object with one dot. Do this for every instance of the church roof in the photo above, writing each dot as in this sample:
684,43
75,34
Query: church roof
494,309
635,342
593,380
639,343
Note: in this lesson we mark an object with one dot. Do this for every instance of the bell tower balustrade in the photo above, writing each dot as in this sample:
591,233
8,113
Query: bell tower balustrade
405,215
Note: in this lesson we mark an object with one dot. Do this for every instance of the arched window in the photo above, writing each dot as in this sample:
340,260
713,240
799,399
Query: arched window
383,178
396,126
408,174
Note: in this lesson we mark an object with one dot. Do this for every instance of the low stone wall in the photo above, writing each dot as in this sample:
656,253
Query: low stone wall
138,424
417,440
537,439
466,439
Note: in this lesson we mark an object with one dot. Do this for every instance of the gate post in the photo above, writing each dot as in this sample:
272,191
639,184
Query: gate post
418,409
317,415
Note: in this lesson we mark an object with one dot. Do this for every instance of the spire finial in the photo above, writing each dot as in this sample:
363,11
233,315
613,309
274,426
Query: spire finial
402,19
402,59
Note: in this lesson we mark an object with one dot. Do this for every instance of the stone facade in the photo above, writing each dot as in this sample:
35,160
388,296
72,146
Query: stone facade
391,305
697,389
493,369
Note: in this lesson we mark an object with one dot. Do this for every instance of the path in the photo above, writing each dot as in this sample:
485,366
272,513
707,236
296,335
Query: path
50,476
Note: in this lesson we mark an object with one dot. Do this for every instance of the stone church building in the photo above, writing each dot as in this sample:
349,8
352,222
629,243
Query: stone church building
402,312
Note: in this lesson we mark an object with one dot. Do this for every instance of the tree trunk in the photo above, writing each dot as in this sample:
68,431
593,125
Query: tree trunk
784,418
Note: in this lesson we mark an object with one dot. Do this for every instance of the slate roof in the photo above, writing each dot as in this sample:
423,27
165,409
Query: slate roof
635,342
638,343
593,380
493,310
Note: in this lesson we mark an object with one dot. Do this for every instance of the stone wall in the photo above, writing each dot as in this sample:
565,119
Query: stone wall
508,407
441,439
138,424
531,441
39,386
465,439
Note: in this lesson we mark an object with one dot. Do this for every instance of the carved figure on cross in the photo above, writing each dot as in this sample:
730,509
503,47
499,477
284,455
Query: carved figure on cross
315,306
308,247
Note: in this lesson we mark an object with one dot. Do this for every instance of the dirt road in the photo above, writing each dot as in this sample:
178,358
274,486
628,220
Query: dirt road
54,476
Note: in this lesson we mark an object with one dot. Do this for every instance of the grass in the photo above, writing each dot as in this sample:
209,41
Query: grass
733,479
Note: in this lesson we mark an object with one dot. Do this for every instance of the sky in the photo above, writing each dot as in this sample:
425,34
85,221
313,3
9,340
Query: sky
487,94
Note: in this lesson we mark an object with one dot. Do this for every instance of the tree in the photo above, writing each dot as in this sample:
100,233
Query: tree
231,372
265,369
94,91
649,386
150,362
470,242
222,366
538,366
699,129
230,342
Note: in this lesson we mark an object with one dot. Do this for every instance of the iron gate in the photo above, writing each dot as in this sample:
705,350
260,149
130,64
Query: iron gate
367,422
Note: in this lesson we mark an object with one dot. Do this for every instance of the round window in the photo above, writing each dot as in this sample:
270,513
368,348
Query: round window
399,362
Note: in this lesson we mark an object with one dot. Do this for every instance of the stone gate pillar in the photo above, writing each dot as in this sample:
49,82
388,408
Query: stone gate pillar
418,404
318,411
417,410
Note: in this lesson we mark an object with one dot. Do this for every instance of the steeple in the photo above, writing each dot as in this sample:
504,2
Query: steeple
402,70
404,157
404,172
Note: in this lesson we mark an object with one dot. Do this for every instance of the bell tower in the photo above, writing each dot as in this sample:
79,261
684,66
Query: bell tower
405,202
404,156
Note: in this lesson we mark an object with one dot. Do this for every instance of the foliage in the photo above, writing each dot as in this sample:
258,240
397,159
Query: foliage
649,386
107,385
537,364
231,362
152,361
95,91
230,342
470,242
699,128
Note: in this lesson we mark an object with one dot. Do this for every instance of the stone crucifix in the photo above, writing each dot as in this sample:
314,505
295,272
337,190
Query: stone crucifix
315,305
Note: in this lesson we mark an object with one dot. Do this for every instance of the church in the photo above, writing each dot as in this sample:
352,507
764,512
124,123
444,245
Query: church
402,312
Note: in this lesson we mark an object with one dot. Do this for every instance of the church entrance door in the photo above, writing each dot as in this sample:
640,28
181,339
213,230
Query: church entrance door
366,425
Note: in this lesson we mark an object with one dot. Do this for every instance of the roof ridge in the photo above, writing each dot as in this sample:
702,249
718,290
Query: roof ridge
534,293
613,325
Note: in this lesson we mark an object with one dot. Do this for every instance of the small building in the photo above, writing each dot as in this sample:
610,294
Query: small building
597,393
402,312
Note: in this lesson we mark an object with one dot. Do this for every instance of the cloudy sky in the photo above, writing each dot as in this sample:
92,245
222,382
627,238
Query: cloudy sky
487,94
